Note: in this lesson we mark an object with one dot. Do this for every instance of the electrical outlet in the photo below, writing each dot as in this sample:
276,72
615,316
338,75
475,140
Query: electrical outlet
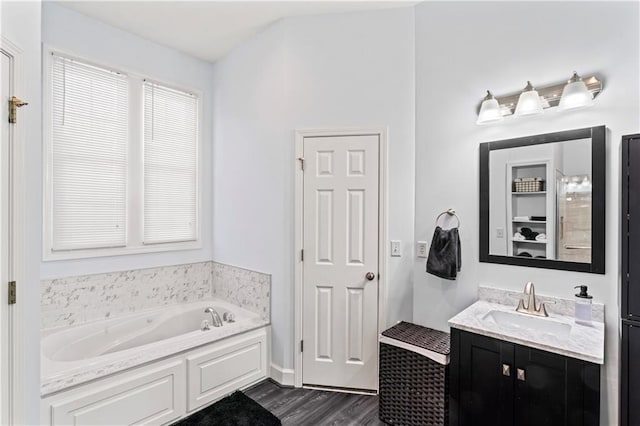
499,232
421,249
396,250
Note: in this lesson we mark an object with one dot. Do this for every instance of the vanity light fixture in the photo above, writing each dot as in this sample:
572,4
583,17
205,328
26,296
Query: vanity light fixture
489,110
574,94
529,101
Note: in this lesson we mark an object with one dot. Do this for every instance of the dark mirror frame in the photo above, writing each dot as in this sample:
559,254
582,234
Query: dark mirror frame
598,173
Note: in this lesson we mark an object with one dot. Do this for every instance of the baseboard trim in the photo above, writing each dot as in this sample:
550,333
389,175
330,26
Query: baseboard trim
282,376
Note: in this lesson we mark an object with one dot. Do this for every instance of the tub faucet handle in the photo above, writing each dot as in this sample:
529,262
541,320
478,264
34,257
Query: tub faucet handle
204,325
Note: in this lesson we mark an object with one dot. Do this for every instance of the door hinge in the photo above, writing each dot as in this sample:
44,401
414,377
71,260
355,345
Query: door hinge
14,104
12,292
302,255
301,345
301,159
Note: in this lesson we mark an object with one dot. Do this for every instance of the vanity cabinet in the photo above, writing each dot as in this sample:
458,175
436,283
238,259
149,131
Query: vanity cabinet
494,382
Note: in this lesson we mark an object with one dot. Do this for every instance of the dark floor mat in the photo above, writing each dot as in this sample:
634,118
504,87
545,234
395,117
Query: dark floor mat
235,410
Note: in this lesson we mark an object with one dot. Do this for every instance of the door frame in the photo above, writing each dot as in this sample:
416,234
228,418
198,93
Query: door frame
15,363
300,135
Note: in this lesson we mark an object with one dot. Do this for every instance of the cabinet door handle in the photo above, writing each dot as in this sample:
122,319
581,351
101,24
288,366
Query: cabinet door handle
506,370
521,375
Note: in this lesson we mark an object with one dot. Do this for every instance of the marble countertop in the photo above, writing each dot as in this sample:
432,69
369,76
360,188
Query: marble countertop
585,342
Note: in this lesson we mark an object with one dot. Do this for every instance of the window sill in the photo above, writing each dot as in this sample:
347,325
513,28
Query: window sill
50,256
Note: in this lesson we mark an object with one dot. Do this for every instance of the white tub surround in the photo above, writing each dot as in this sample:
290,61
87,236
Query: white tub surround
166,390
77,354
73,300
579,341
248,289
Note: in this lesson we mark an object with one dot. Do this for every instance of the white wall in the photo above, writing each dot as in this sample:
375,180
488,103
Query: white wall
21,25
75,33
348,70
462,49
357,70
250,172
576,160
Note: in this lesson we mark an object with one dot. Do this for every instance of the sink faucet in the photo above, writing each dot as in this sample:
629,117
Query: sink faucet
215,318
531,308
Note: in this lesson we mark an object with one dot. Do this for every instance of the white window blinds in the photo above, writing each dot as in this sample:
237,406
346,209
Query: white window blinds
88,156
170,164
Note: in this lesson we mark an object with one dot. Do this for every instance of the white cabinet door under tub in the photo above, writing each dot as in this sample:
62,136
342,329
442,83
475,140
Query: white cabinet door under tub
143,397
216,371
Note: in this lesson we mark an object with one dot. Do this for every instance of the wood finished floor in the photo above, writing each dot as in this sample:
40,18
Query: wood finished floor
306,407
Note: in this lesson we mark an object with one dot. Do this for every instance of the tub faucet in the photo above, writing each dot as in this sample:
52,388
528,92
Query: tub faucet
531,308
215,318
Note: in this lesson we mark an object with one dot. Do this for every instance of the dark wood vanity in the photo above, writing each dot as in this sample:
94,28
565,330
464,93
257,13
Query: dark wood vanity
495,382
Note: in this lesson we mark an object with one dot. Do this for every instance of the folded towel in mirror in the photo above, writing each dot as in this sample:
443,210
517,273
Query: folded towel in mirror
541,237
528,234
518,237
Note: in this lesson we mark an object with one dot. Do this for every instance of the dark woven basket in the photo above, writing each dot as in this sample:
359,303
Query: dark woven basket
414,389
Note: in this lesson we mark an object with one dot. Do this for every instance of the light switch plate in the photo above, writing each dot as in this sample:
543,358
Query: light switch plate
421,249
396,250
499,232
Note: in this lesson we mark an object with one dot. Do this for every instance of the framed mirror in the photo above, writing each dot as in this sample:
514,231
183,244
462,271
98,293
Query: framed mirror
542,201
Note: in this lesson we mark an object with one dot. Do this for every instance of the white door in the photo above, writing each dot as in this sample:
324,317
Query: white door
340,266
6,89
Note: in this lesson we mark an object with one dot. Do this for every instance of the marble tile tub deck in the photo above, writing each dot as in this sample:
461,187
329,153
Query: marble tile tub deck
243,287
78,299
84,298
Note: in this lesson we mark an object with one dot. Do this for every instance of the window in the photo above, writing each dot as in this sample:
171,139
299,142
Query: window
121,163
89,156
170,164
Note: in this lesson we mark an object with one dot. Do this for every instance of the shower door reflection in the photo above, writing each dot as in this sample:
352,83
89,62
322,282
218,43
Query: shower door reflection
573,218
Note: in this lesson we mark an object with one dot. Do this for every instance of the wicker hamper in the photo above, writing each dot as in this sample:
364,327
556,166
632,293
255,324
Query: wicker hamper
414,376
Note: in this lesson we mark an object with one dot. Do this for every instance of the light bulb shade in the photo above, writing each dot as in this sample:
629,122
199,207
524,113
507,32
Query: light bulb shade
575,95
528,103
489,112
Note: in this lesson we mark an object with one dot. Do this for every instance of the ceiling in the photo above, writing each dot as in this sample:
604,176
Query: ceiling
209,29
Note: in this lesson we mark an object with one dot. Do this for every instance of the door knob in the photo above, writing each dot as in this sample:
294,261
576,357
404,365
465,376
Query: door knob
370,276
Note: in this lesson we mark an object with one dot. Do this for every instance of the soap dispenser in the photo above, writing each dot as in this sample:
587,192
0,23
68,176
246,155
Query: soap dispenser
583,305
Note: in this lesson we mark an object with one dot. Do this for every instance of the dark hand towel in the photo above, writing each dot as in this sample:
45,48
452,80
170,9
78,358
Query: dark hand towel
445,258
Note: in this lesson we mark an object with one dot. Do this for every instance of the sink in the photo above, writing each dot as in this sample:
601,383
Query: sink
520,322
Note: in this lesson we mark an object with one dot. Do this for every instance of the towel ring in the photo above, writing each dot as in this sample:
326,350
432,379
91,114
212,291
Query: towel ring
450,212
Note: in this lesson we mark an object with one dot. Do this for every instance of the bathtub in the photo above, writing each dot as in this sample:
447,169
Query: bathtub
77,360
100,338
99,348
